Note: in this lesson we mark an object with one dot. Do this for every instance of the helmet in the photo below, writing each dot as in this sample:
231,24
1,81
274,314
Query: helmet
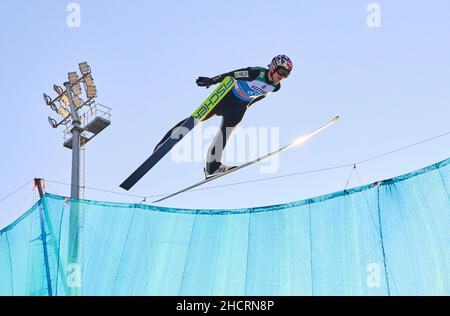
280,61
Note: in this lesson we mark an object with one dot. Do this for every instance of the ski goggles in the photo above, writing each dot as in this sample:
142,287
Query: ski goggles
282,72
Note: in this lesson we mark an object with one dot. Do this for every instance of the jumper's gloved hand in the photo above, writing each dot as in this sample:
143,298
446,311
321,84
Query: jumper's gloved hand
204,82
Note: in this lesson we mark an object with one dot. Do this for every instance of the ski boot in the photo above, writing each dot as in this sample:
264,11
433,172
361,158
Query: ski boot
222,169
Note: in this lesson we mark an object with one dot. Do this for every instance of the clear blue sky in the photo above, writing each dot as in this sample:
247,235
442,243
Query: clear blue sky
390,85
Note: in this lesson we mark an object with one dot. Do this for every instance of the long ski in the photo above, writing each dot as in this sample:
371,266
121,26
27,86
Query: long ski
296,142
213,99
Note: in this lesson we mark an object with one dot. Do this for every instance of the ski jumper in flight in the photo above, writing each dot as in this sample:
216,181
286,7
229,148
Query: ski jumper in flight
252,85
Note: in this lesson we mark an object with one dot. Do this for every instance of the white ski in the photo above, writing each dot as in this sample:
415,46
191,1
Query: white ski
296,142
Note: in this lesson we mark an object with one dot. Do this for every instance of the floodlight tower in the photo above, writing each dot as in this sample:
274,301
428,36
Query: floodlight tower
81,128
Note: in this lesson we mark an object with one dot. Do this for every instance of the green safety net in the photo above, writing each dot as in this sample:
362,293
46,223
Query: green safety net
387,238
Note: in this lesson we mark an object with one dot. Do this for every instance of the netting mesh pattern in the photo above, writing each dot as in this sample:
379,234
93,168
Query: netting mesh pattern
390,238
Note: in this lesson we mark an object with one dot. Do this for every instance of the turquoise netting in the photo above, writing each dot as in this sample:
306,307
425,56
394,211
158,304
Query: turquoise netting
391,238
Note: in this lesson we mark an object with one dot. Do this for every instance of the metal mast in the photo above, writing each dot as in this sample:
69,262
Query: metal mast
67,104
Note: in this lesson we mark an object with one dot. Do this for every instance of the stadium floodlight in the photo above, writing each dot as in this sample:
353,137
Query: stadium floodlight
58,89
84,68
52,122
64,99
91,90
77,101
47,99
50,103
76,89
73,77
53,107
63,112
88,80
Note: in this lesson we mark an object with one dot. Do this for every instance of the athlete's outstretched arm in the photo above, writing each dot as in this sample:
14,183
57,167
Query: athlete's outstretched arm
247,74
